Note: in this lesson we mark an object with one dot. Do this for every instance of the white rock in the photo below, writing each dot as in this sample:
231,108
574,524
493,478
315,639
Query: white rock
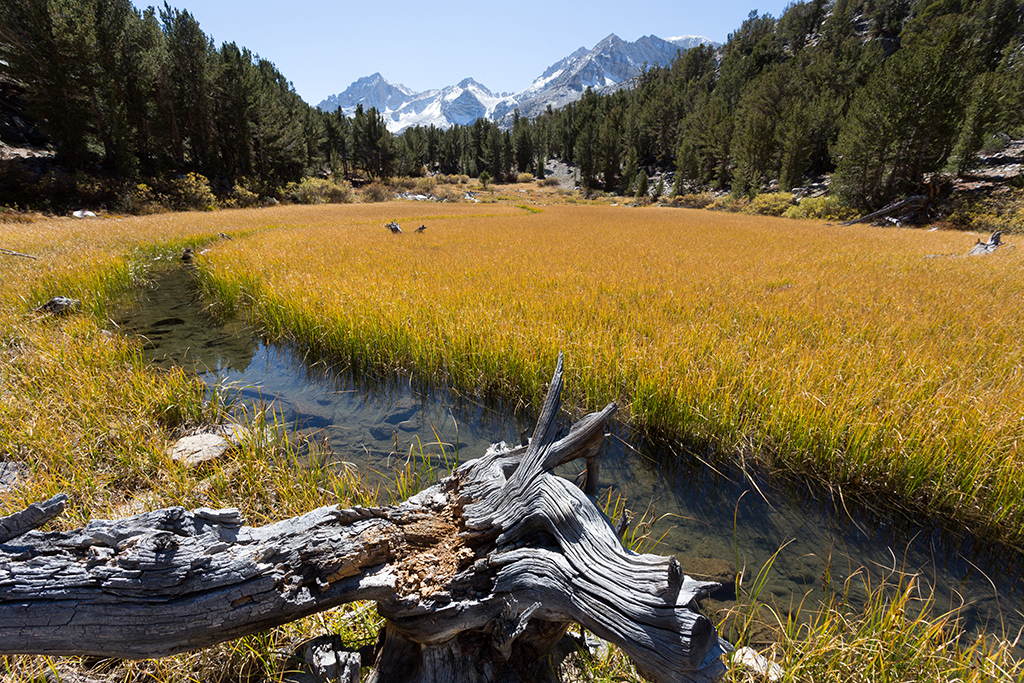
200,448
749,658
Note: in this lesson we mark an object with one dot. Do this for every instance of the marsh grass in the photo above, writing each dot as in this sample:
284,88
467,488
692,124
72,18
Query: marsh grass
88,416
898,636
836,352
841,353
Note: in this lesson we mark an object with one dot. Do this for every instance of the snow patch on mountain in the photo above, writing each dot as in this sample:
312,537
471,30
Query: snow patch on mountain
688,42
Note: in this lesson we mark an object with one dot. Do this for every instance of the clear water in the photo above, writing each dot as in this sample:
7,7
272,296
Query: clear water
714,521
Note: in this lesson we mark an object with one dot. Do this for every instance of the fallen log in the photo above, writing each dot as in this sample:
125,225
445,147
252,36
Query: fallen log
9,252
912,204
983,248
478,577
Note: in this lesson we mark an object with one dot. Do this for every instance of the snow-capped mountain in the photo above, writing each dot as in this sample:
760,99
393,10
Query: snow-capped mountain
611,63
687,42
370,91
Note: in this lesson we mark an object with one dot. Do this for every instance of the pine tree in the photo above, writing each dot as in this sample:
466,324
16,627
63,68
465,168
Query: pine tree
904,123
642,182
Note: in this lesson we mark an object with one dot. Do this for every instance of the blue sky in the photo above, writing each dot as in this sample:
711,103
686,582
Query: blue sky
323,46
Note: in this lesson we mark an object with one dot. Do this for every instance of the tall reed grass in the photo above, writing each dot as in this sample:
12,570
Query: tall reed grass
83,413
844,353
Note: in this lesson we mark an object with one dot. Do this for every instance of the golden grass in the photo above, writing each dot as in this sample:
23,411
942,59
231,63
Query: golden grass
898,636
79,406
839,351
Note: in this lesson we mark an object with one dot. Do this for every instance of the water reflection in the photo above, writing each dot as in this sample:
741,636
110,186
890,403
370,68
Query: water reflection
716,520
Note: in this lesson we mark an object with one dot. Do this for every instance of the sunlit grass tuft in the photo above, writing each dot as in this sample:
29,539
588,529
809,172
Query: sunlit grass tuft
898,636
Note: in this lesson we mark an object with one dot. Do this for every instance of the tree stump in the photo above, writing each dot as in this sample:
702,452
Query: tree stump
478,577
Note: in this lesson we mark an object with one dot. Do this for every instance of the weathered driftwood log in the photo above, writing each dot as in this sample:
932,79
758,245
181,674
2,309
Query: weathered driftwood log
982,248
912,205
478,577
8,252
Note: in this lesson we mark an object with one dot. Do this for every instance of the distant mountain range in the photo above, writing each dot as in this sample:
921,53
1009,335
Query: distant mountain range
611,64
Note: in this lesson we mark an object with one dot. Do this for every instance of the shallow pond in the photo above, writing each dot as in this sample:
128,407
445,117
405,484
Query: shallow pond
711,520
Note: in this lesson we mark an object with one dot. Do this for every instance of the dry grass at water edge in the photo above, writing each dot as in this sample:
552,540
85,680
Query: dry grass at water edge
83,412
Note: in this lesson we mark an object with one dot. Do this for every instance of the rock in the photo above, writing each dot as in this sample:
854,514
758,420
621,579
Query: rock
199,448
83,214
59,305
747,658
11,474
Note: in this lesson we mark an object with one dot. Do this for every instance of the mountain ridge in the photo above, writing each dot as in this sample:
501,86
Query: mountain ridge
608,65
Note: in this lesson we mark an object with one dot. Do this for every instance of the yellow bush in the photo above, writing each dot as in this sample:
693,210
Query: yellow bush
770,204
821,208
319,191
241,197
1003,212
694,201
425,185
729,203
191,192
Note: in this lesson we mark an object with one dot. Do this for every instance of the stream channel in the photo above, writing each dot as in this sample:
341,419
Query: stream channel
711,520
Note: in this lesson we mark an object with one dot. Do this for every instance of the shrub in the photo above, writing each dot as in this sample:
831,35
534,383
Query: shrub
403,184
319,191
375,192
449,194
190,192
729,203
1003,212
524,178
241,197
9,215
550,181
140,199
426,185
770,204
820,208
693,201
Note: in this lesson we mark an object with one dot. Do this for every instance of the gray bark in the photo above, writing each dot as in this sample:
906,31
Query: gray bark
478,576
8,252
983,248
912,204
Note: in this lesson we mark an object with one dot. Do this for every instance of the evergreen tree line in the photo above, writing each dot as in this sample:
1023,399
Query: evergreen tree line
145,93
881,93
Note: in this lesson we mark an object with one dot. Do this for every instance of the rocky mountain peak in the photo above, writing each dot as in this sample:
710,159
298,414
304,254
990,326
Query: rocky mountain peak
609,64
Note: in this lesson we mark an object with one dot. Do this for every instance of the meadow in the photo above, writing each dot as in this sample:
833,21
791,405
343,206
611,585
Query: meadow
843,354
874,360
